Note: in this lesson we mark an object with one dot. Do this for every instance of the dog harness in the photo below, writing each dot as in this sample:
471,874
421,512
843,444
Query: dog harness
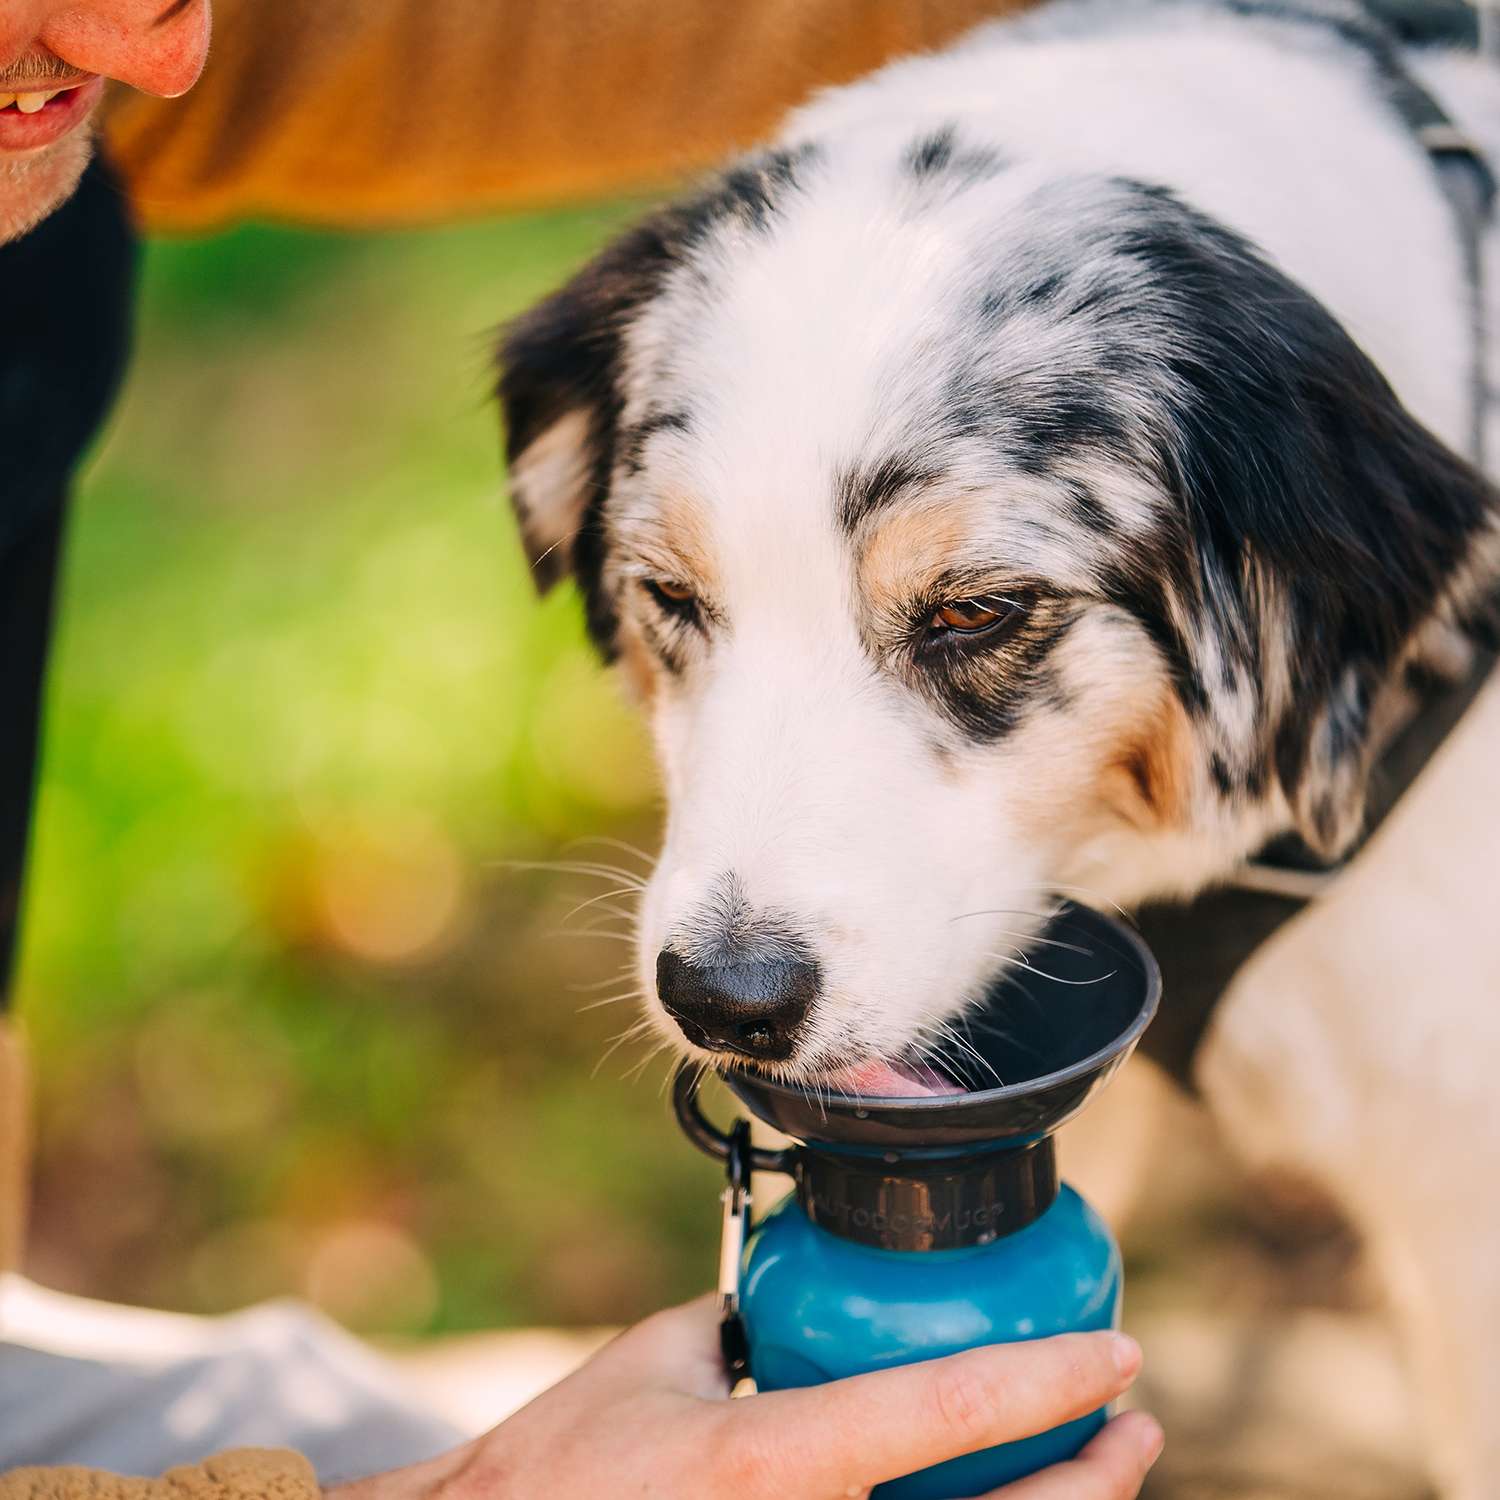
1203,944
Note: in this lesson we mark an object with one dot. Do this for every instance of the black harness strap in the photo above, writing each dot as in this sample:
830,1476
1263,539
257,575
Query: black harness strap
1202,945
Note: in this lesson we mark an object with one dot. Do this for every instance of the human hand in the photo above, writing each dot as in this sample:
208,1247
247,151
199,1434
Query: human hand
648,1416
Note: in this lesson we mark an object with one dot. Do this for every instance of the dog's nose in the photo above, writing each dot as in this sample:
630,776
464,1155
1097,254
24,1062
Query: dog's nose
754,1009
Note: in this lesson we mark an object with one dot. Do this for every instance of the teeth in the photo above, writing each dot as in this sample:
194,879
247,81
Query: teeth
28,104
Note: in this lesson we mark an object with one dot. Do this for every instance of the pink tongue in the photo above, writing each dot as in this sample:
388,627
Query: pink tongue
892,1081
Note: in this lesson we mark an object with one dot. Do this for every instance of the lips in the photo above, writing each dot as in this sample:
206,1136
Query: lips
31,122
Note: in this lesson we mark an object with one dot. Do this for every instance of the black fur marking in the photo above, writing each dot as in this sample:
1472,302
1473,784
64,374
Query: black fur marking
1049,691
1422,680
1041,292
1482,625
988,691
937,155
1141,591
1045,289
863,491
749,194
666,641
1037,420
564,355
1224,779
1085,507
634,439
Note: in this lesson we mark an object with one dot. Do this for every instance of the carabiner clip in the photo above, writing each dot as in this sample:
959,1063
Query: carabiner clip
736,1199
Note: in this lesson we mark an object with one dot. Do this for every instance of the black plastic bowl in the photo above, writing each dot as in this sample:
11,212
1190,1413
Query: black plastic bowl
1054,1032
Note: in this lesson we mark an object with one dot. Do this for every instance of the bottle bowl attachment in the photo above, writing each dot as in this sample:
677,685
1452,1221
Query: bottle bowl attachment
1051,1033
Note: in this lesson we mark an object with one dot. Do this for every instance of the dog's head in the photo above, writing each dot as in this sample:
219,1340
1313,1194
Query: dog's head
971,533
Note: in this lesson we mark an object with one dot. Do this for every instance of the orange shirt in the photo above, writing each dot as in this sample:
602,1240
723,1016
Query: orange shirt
378,112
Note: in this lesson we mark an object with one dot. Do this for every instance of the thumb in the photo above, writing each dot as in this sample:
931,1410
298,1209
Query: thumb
676,1350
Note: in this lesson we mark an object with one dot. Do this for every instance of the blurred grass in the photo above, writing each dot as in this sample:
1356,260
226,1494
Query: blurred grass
299,1026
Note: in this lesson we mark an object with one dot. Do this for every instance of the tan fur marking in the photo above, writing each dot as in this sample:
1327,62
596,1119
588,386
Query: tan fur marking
1148,782
674,538
907,551
637,665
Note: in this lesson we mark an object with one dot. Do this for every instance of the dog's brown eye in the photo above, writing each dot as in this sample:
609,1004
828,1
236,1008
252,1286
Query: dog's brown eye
971,616
673,597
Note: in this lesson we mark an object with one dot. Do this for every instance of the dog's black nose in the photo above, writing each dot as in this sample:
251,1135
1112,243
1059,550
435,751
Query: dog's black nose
754,1009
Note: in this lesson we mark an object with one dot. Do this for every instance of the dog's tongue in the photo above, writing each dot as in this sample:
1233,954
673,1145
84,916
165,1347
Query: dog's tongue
878,1078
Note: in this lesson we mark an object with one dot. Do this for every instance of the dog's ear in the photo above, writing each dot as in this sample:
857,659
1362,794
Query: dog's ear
559,390
561,370
1416,518
1329,528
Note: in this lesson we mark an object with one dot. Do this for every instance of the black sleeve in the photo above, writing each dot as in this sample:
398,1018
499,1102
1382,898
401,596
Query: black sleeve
64,327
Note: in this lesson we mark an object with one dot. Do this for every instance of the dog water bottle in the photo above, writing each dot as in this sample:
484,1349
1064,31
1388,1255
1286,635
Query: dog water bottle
919,1227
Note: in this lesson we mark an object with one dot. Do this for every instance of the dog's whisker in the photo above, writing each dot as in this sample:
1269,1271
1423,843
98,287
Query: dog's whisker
950,1034
563,540
635,1029
1026,937
1019,962
704,1068
649,860
623,913
964,1040
1085,890
595,900
630,994
600,984
1005,911
595,869
636,1069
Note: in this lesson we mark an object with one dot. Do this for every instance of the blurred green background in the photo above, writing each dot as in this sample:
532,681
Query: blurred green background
301,1023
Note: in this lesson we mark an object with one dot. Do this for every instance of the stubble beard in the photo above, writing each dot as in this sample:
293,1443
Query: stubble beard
34,186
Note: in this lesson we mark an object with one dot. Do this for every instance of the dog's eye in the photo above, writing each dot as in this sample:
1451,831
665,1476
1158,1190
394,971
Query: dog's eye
672,597
972,616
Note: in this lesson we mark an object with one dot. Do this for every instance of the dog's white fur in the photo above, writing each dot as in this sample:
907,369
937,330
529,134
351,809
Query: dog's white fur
1360,1046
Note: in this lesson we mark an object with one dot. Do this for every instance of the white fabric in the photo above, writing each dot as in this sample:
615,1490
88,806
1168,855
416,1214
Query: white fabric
136,1391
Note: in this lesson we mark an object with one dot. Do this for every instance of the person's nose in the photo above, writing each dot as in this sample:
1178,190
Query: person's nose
754,1009
157,46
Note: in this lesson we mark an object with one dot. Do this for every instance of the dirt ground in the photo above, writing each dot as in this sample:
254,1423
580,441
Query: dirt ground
1268,1356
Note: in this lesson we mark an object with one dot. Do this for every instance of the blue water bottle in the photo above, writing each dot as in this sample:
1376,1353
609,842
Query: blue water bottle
919,1227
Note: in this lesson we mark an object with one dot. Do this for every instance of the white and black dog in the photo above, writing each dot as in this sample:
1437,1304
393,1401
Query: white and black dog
1040,472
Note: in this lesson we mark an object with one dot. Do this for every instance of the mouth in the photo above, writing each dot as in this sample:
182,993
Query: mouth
33,118
1009,1033
891,1078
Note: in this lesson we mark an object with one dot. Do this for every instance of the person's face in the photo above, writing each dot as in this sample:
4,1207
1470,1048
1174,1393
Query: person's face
54,58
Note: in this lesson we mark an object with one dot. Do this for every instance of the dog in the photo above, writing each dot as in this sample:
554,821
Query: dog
1042,470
